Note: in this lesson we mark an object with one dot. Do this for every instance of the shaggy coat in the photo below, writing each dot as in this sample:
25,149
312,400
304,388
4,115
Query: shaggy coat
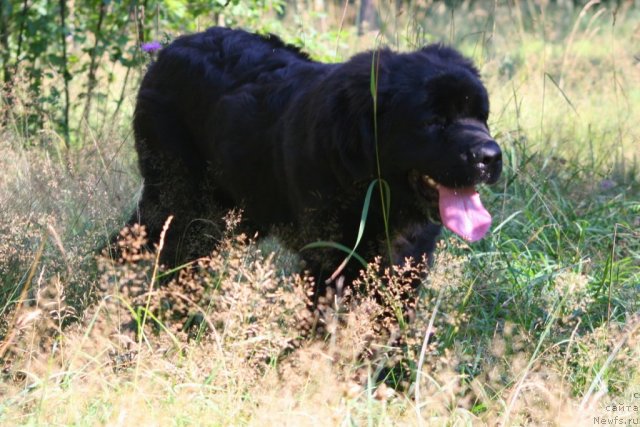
227,119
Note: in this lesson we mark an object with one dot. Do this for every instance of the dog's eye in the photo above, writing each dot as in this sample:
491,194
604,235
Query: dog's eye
438,122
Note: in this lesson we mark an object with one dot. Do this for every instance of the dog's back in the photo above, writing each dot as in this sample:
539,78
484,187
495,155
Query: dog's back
189,116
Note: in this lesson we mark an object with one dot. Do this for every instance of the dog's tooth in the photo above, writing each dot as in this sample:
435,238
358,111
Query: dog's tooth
429,181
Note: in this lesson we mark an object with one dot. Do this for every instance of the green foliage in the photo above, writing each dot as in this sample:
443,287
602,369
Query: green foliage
61,59
534,319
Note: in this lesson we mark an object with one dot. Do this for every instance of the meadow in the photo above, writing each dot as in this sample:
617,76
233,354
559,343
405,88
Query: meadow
537,324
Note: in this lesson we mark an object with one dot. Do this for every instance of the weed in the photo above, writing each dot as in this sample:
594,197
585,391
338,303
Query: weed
536,324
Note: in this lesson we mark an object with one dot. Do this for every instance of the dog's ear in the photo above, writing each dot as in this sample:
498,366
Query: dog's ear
353,134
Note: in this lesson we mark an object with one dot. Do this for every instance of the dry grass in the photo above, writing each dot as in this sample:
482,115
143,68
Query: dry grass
228,342
538,324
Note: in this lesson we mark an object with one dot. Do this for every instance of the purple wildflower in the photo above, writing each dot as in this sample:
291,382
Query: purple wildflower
151,47
607,184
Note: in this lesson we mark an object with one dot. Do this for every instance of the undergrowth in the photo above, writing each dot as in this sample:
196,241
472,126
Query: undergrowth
538,323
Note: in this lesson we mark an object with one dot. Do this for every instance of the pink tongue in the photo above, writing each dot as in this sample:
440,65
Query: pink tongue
462,212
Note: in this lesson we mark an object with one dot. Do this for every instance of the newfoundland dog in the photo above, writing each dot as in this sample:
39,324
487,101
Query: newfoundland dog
228,119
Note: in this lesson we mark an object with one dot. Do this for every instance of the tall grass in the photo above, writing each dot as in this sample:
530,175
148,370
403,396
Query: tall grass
538,323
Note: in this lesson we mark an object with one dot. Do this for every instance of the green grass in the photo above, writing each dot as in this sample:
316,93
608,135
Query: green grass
536,323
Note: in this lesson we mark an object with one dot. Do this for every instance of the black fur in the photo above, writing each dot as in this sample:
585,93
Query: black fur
227,119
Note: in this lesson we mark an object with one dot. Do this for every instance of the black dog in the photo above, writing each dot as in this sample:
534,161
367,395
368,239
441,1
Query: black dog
227,119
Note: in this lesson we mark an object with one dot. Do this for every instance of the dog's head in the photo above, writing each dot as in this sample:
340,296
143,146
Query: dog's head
433,143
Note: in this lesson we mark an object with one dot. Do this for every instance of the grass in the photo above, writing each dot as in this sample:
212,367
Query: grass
538,323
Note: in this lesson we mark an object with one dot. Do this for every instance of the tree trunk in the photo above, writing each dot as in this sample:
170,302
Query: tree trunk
95,60
65,72
367,17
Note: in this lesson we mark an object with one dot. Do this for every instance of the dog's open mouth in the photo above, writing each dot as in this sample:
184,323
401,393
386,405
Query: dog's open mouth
460,209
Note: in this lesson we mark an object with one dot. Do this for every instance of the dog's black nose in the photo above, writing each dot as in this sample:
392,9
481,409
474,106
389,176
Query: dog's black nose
486,155
486,158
